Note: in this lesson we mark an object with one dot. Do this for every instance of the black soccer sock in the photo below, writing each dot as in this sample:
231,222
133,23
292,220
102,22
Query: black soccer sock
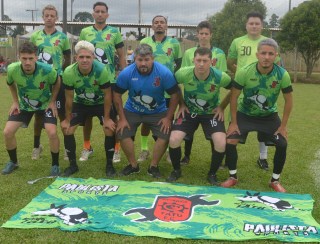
188,147
13,155
109,142
216,159
175,156
36,141
70,145
231,158
55,158
279,159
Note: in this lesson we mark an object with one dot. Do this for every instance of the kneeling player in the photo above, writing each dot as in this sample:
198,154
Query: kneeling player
201,105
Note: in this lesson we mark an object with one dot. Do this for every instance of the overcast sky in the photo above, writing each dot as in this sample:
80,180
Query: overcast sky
126,11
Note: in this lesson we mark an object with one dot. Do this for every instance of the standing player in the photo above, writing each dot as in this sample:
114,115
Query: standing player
146,82
107,40
166,51
53,49
261,83
204,34
201,105
88,94
243,52
34,87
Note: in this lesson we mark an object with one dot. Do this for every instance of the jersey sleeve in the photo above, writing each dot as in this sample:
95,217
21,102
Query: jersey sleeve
177,50
187,59
105,78
286,85
180,76
232,53
10,79
67,78
170,80
239,80
222,62
82,36
225,80
53,75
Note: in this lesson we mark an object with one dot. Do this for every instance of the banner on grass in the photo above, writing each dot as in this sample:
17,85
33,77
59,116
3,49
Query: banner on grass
169,211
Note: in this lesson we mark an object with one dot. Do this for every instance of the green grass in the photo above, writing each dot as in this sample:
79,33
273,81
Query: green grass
300,175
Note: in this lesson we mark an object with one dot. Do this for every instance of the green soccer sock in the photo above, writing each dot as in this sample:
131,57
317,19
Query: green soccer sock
144,143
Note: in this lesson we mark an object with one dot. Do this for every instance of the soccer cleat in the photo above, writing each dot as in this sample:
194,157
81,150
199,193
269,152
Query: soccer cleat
116,157
185,160
144,155
176,174
128,170
9,168
36,152
275,185
85,154
55,170
212,178
70,170
263,164
154,172
65,157
110,171
229,182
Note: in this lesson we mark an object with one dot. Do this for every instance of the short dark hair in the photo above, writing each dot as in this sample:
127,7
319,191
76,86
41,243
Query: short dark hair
28,47
165,19
100,4
255,14
204,24
143,50
203,51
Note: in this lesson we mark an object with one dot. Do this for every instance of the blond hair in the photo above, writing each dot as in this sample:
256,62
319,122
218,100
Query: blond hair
49,7
84,45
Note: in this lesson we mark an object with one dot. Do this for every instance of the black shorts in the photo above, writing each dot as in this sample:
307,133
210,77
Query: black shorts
265,126
61,100
151,120
81,112
26,116
190,123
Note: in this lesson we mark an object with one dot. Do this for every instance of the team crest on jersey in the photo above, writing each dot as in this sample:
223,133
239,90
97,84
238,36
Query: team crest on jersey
169,51
274,84
42,85
156,82
108,37
212,88
214,62
56,43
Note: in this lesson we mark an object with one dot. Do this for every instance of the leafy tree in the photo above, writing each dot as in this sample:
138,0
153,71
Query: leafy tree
300,29
18,30
274,21
4,30
230,22
80,17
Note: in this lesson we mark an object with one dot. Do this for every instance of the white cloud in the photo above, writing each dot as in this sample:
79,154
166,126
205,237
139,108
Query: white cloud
126,11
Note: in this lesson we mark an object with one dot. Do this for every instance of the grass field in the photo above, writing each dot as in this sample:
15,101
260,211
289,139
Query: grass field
301,174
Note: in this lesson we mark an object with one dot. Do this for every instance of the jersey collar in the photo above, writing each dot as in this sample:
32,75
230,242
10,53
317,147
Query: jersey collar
55,31
100,30
154,39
